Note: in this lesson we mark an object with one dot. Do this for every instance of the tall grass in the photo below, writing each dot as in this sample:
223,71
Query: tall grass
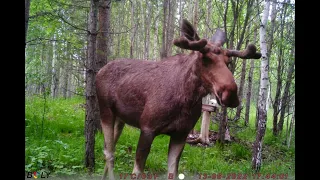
58,146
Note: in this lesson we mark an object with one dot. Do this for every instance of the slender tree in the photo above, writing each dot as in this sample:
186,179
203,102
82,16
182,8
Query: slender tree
171,26
66,72
291,126
55,71
245,28
280,67
264,79
134,27
147,29
249,89
285,97
91,99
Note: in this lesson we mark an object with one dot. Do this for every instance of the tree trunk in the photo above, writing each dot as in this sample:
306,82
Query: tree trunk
264,79
244,61
277,100
156,41
171,25
43,57
49,65
65,85
195,13
208,20
67,70
163,52
26,18
91,100
257,104
55,72
181,16
119,24
71,86
240,93
230,45
133,30
291,126
147,29
248,96
268,98
102,37
224,118
102,43
285,97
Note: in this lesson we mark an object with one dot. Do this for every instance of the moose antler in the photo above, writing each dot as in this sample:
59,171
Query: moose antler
185,43
248,53
189,39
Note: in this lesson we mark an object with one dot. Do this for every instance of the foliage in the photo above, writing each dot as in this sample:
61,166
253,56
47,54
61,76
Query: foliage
61,150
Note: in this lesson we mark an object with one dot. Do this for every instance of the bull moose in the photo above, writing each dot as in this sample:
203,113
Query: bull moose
165,97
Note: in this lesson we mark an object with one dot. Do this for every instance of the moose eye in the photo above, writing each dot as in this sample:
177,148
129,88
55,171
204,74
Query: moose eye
206,61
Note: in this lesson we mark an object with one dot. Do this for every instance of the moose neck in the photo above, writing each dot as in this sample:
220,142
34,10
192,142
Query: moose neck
193,86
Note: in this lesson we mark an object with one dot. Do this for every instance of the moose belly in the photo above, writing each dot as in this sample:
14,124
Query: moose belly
183,123
129,114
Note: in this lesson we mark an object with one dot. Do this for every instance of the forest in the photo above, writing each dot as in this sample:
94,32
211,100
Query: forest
68,41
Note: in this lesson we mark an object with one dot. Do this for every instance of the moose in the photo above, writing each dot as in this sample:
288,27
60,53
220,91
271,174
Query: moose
165,97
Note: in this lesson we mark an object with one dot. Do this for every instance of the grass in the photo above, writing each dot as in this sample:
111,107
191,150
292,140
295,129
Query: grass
55,143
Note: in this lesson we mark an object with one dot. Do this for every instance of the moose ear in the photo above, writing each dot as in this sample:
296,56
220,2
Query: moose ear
188,31
219,38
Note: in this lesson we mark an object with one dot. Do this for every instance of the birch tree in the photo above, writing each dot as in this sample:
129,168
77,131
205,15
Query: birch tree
264,79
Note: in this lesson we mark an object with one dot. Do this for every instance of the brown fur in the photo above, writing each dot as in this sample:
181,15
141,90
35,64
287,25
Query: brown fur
163,93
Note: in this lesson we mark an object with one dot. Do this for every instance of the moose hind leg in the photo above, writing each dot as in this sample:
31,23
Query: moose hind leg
118,127
107,125
176,147
143,149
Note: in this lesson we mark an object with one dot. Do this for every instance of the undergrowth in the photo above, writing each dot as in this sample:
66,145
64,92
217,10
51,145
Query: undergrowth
55,143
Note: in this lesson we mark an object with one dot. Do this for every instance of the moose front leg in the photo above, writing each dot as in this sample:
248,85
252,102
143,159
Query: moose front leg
175,150
143,149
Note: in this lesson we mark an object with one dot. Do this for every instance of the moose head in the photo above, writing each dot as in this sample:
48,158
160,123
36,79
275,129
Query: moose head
215,74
